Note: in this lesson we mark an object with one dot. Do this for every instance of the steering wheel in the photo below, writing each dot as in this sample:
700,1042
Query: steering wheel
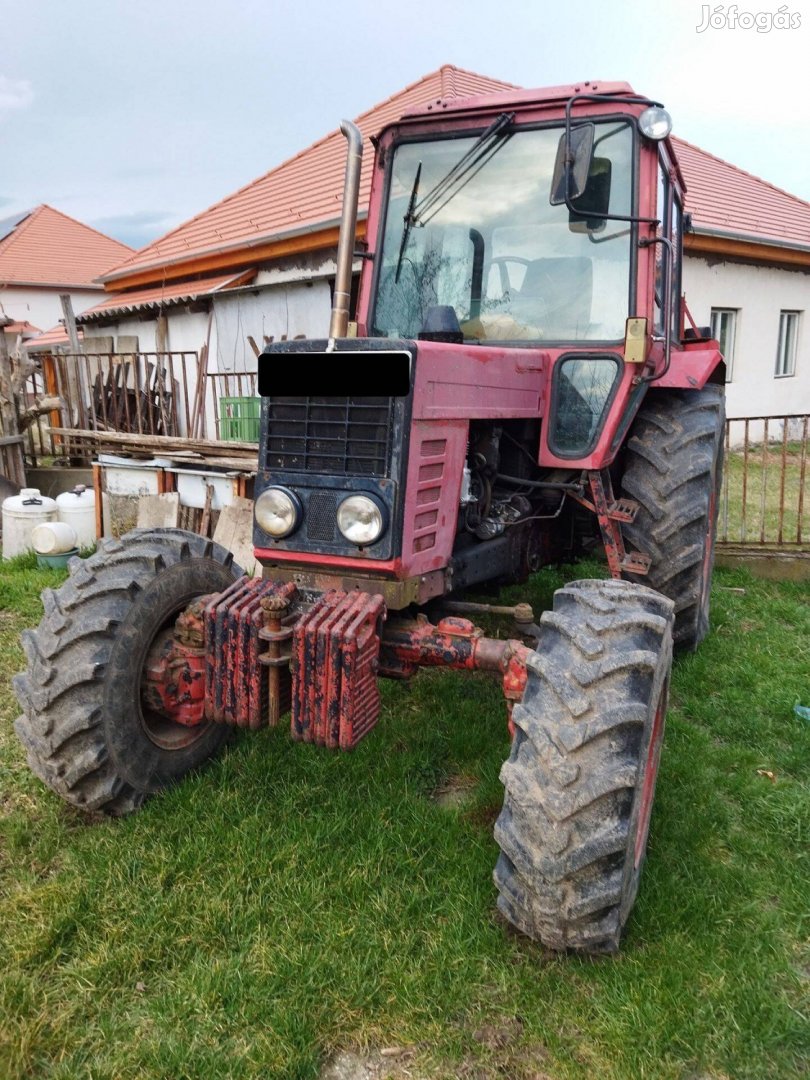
501,262
543,290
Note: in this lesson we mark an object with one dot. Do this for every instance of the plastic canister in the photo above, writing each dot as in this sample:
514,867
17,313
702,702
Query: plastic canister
21,514
53,538
77,508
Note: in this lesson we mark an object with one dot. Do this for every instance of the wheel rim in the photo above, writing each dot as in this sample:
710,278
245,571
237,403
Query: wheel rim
159,729
650,776
168,734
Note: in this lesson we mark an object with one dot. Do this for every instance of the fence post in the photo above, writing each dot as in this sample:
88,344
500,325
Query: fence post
8,412
73,379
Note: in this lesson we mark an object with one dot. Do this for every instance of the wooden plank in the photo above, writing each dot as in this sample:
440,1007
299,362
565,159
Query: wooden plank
198,427
159,511
235,532
9,421
159,443
70,323
205,521
241,465
99,493
246,465
52,386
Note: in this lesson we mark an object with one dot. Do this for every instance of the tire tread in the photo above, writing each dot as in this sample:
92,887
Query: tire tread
569,782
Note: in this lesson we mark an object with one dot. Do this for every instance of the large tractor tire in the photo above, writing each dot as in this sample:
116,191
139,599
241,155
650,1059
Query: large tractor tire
673,469
86,731
580,779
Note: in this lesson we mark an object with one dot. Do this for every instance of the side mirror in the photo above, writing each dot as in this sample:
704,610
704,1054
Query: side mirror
594,202
571,170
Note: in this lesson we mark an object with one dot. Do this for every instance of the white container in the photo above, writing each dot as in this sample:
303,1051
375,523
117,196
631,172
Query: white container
192,488
129,478
77,508
21,514
53,538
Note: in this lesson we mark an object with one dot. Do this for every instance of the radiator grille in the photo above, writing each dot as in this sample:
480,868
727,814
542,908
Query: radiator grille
336,435
321,515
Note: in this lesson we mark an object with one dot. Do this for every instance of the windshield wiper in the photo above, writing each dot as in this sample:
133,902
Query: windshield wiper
409,220
484,147
468,165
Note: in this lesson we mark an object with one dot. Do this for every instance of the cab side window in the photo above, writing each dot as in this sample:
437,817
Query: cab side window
670,217
676,235
663,213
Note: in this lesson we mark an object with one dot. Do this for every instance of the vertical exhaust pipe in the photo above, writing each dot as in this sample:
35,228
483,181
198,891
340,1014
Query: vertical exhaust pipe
339,322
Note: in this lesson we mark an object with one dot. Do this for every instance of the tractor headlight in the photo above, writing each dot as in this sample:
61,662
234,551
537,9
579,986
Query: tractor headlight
277,512
655,123
361,519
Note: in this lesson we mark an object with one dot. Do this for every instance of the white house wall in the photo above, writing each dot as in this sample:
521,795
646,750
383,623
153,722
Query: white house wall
275,313
758,294
42,307
142,329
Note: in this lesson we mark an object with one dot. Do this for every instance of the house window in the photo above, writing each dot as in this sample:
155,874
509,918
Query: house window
786,348
724,331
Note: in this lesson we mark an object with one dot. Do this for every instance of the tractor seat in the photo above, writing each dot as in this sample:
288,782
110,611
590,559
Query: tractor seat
556,293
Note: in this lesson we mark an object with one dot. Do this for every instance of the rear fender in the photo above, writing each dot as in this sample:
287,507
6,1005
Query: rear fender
693,367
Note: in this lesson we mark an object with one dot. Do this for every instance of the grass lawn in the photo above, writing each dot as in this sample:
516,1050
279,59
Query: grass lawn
287,902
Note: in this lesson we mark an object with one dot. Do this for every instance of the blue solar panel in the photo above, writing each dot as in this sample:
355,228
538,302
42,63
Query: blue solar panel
10,223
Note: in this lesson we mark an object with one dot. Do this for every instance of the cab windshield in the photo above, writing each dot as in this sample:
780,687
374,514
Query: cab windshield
488,243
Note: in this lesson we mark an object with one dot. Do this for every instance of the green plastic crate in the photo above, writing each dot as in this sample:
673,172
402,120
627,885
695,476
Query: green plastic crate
239,419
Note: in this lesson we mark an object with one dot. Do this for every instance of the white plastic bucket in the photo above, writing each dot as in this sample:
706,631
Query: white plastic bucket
77,508
21,514
53,538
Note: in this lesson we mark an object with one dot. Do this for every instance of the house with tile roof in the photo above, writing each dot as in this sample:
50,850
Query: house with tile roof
43,254
260,263
747,274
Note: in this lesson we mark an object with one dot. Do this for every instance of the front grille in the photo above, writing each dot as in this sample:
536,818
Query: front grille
321,515
334,435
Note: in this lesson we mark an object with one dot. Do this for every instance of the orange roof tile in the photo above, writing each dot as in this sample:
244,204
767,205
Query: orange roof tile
305,192
724,199
57,335
161,295
157,297
46,247
25,328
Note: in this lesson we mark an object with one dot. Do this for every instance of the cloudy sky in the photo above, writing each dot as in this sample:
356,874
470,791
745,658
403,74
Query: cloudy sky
135,116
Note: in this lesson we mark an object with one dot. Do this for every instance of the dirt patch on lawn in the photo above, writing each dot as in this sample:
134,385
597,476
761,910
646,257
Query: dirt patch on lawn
455,791
500,1051
389,1064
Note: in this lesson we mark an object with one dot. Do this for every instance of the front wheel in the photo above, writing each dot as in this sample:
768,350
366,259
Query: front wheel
87,732
580,779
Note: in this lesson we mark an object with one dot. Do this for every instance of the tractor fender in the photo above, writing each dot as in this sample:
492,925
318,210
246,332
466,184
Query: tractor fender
693,367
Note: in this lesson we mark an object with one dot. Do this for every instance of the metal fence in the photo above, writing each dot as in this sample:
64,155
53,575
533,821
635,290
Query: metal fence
763,501
150,394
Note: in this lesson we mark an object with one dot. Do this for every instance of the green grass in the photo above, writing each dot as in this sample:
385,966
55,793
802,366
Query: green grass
286,902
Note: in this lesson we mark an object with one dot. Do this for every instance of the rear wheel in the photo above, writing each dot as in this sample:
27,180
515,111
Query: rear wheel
580,779
88,733
673,469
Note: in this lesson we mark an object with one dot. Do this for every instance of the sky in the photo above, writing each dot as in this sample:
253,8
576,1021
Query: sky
134,116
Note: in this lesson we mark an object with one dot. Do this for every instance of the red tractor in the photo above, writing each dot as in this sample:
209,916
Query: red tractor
518,388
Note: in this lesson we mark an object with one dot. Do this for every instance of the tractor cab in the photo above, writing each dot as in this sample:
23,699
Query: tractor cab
548,221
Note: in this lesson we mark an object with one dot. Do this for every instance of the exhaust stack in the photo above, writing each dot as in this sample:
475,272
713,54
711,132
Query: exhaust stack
339,322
